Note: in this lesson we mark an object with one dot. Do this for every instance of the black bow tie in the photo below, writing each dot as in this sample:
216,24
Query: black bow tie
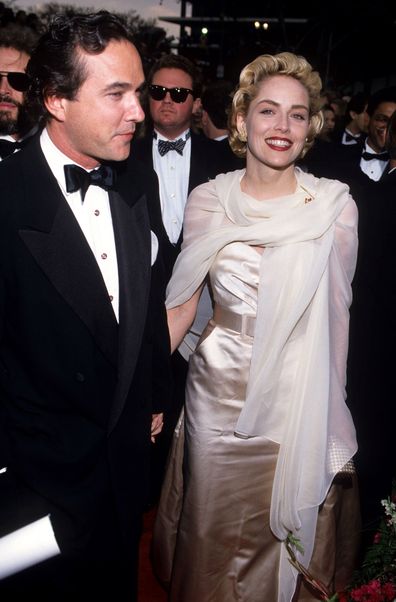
380,156
7,147
78,178
165,146
350,138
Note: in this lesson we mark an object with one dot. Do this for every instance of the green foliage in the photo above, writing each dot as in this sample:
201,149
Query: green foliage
380,559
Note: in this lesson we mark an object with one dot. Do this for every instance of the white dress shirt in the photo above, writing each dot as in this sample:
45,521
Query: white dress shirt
374,168
173,171
93,216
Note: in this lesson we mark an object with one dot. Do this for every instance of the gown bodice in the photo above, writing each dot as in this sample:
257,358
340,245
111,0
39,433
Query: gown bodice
234,278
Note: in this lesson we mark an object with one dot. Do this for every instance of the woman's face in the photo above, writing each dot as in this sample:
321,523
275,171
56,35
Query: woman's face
329,120
277,122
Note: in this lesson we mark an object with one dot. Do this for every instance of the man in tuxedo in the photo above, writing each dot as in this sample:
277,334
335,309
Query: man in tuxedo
370,383
356,120
80,324
355,163
16,45
182,159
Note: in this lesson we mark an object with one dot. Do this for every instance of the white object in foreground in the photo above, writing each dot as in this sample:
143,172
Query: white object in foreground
27,546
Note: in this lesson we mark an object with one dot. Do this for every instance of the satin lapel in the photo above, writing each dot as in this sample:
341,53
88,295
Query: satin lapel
133,241
54,238
385,175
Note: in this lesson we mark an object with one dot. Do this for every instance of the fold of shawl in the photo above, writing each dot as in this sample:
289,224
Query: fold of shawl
296,387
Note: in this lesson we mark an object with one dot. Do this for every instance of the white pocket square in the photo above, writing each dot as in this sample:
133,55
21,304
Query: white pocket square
154,247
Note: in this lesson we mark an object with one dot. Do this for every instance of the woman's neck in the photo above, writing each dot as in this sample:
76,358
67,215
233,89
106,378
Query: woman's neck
267,183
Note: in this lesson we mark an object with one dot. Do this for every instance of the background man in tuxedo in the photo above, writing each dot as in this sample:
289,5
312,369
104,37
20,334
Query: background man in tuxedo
356,120
182,159
355,163
16,45
79,324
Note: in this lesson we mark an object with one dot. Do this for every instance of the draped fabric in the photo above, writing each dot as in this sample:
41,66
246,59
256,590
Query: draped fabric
304,294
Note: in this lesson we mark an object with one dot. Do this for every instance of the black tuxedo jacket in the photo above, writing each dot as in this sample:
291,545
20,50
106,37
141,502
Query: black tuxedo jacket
340,162
208,159
75,386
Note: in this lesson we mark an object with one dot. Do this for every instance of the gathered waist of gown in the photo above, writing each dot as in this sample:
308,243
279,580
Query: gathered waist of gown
241,323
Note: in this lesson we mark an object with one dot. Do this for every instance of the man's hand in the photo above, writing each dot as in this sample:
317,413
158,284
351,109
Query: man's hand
157,422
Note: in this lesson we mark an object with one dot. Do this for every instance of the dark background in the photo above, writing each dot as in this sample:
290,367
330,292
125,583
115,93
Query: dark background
351,44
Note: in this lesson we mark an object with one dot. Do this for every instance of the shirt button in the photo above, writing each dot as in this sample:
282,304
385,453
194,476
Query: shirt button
173,196
104,256
97,212
111,297
80,378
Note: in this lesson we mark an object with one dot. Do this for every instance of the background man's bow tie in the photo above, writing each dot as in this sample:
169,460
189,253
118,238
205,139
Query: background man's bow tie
78,178
8,147
380,156
165,146
350,138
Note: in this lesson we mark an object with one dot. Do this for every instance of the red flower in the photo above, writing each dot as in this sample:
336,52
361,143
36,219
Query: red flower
377,538
389,591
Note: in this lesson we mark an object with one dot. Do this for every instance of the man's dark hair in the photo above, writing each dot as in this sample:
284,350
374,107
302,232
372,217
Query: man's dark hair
357,104
177,61
382,95
55,66
216,101
19,37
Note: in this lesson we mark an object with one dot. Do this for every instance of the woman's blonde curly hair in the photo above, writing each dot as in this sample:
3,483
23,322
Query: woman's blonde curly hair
266,65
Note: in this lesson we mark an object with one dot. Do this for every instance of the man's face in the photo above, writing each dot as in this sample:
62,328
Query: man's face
11,100
98,125
377,125
172,118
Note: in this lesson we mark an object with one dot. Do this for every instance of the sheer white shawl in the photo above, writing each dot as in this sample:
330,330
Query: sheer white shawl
310,241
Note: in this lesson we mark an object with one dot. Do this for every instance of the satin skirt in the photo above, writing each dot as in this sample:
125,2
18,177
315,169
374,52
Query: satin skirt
214,507
212,541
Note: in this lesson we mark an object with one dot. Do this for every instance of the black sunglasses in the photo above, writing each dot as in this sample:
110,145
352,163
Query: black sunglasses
176,94
18,81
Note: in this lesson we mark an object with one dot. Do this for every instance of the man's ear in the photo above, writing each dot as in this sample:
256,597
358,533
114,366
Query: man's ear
56,106
197,106
204,117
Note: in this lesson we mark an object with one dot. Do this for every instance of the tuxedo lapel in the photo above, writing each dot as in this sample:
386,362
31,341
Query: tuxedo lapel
133,242
197,165
54,238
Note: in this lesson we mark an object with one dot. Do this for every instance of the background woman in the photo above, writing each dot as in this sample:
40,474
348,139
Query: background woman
266,426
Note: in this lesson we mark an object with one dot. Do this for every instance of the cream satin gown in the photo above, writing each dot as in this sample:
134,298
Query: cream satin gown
224,548
212,540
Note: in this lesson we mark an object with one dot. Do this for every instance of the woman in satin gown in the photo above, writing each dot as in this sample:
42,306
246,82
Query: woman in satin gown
265,427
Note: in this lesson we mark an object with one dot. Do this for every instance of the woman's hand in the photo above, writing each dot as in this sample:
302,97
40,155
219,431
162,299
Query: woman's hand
157,422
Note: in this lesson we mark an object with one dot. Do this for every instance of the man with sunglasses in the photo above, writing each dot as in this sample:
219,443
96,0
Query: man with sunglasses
182,159
16,45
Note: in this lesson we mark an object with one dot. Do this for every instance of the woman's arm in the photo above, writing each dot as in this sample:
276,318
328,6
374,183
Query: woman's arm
181,317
